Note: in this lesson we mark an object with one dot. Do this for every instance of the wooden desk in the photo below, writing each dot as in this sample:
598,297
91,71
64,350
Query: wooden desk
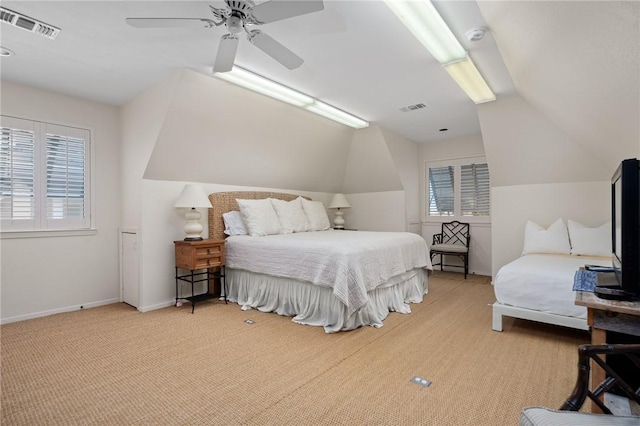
607,315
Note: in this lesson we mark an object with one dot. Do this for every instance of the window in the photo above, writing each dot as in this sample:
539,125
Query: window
441,192
458,189
44,176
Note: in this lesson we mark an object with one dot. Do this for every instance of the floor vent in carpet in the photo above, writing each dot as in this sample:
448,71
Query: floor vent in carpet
420,381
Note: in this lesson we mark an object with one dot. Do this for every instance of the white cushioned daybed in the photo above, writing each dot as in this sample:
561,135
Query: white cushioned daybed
538,286
282,257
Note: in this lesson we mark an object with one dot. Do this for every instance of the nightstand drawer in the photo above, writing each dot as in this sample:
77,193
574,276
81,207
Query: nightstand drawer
199,254
208,262
209,251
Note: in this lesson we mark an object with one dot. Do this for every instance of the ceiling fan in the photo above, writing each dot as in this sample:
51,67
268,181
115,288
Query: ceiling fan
239,15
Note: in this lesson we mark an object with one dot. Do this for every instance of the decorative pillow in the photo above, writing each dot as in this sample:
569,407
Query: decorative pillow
554,239
290,215
259,217
590,241
233,224
316,215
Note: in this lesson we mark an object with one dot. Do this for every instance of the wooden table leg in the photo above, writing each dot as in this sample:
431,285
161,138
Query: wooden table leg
598,337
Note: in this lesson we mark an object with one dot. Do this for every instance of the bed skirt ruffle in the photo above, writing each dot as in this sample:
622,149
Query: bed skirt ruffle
314,305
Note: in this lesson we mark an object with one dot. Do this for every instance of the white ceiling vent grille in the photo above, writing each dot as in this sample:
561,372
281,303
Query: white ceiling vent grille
29,24
413,107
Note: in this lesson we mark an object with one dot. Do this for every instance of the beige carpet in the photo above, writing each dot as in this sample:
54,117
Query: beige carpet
114,365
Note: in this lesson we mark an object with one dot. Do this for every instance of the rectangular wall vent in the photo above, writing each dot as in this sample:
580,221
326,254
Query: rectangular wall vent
413,107
29,24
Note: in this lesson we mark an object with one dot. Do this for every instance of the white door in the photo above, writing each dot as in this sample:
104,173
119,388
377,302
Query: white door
129,268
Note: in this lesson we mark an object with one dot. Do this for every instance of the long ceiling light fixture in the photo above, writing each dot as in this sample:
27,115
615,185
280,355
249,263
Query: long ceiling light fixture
426,24
267,87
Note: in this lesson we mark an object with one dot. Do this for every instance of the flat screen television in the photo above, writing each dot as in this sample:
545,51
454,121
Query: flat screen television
625,233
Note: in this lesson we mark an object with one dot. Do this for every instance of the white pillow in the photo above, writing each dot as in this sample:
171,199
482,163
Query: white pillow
233,224
290,215
259,217
554,239
316,215
590,241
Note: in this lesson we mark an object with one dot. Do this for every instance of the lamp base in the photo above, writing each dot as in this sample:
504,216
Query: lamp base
338,221
193,227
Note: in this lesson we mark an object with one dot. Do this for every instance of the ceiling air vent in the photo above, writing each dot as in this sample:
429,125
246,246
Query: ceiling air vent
29,24
412,107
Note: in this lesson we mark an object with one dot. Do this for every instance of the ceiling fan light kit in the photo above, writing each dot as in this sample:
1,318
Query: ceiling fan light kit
267,87
426,24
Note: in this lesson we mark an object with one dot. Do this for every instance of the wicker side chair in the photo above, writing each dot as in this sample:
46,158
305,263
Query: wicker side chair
453,240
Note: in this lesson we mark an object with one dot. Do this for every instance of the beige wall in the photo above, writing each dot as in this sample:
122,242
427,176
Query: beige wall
195,128
586,202
540,173
524,147
46,275
480,247
214,131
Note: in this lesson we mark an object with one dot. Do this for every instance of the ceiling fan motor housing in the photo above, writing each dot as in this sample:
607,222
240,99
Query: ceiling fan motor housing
242,7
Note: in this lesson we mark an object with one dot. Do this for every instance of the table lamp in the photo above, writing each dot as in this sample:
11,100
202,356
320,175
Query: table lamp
192,197
339,202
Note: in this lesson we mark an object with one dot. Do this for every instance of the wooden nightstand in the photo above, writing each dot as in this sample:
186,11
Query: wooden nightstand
203,259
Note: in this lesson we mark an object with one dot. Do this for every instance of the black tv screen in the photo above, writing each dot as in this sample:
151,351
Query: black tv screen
625,232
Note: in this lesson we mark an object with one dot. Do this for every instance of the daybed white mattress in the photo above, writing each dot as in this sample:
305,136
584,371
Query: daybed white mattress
337,279
543,282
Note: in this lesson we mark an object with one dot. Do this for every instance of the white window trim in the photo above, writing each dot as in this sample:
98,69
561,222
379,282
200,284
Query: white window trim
36,233
456,162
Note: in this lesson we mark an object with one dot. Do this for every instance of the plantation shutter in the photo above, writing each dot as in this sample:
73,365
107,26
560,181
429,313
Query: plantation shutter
44,176
66,178
474,189
441,191
17,174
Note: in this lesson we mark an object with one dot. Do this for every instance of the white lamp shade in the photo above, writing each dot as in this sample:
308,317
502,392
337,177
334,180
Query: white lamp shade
339,201
193,196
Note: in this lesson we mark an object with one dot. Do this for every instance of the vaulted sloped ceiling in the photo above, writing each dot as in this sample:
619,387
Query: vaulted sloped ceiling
578,64
217,132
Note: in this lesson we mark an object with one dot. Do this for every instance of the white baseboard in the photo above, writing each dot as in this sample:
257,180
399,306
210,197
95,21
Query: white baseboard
58,311
157,306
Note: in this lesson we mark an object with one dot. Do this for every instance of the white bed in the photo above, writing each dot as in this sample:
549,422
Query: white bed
339,280
539,287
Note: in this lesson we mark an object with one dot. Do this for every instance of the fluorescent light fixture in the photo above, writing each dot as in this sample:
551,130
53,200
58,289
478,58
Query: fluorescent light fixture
468,77
259,84
267,87
424,21
426,24
335,114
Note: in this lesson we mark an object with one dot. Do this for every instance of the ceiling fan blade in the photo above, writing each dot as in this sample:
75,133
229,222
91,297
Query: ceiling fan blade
274,49
226,53
170,22
276,10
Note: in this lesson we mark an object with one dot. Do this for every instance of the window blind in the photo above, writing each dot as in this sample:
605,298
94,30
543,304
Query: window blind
441,191
44,176
17,174
474,189
65,177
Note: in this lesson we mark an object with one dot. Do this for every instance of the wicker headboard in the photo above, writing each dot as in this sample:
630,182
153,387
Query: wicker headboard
223,202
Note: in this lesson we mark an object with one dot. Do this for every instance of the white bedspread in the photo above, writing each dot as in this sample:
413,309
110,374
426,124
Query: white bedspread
351,263
543,282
